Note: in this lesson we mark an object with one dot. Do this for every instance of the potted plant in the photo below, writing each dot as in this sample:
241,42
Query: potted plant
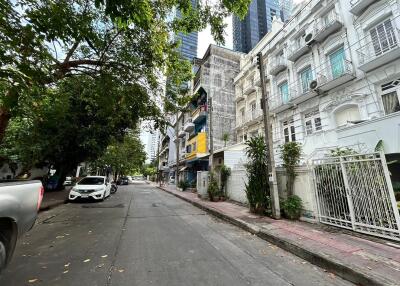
292,207
213,189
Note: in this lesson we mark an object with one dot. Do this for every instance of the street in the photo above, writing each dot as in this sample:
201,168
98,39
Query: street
144,236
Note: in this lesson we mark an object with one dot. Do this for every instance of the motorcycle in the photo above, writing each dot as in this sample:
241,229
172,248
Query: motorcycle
114,188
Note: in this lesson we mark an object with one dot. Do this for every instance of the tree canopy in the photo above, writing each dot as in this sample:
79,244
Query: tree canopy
76,74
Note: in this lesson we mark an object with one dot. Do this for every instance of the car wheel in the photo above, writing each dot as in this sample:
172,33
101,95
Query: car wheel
3,252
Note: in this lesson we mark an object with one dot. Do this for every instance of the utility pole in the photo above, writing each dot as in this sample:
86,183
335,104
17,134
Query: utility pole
158,160
273,186
177,148
210,132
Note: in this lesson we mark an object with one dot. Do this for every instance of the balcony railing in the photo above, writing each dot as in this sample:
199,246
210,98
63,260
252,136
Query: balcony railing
239,94
297,49
380,50
249,87
334,75
197,79
199,113
189,125
181,133
277,65
359,6
327,25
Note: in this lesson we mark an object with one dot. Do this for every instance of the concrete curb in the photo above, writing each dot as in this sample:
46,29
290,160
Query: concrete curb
331,264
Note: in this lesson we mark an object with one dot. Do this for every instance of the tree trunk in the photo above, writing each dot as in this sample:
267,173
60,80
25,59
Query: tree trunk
4,120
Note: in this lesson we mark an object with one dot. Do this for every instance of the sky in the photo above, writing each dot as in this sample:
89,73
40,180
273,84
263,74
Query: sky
205,38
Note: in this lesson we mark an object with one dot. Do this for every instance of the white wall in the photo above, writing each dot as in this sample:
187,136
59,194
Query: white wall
236,186
202,183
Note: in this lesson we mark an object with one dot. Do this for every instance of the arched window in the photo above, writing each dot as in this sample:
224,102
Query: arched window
346,115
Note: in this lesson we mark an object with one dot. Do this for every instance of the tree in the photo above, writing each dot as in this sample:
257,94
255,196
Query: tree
257,187
75,121
124,157
225,137
290,154
43,42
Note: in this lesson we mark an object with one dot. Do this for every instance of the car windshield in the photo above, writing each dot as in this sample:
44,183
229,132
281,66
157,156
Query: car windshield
91,181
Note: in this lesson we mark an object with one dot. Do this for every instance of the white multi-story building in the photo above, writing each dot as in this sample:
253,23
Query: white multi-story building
249,120
334,78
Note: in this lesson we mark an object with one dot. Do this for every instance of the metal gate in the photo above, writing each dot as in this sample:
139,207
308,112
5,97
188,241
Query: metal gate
355,192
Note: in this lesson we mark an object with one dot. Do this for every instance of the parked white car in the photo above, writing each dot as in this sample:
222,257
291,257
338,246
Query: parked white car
95,187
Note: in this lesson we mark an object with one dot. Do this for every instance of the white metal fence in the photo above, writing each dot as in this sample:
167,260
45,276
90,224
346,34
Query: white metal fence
355,192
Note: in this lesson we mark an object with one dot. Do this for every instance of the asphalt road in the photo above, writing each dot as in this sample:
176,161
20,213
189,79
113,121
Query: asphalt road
144,236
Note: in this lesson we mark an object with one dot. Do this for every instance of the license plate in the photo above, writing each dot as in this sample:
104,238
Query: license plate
84,196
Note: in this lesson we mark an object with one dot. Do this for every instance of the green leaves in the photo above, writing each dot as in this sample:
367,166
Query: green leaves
290,154
257,188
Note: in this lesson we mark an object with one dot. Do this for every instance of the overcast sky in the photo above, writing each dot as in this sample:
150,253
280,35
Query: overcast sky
205,38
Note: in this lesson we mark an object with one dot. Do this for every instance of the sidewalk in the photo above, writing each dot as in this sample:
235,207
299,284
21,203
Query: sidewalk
359,260
54,198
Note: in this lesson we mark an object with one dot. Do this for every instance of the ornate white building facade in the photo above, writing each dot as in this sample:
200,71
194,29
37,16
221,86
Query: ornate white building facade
333,78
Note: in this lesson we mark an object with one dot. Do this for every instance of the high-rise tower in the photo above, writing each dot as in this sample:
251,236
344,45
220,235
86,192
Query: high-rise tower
258,21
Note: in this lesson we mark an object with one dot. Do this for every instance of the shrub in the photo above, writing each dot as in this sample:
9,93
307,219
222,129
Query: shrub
292,207
183,184
212,189
290,154
225,172
257,188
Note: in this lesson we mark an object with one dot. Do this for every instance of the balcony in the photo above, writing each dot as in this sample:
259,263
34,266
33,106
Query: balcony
335,76
239,95
181,133
253,116
197,80
189,126
326,26
249,87
277,65
379,52
359,6
279,103
199,114
197,146
297,49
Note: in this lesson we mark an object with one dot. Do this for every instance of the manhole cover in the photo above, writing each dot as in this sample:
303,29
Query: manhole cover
103,206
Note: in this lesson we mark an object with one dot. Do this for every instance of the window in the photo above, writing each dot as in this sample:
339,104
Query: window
305,79
217,80
289,131
347,115
284,92
194,147
383,37
242,115
273,14
391,102
253,107
312,121
337,60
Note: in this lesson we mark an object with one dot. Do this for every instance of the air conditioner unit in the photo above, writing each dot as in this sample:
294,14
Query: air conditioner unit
314,85
309,39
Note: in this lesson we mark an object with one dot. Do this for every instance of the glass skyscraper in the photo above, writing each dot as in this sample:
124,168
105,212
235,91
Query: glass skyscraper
188,47
258,21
